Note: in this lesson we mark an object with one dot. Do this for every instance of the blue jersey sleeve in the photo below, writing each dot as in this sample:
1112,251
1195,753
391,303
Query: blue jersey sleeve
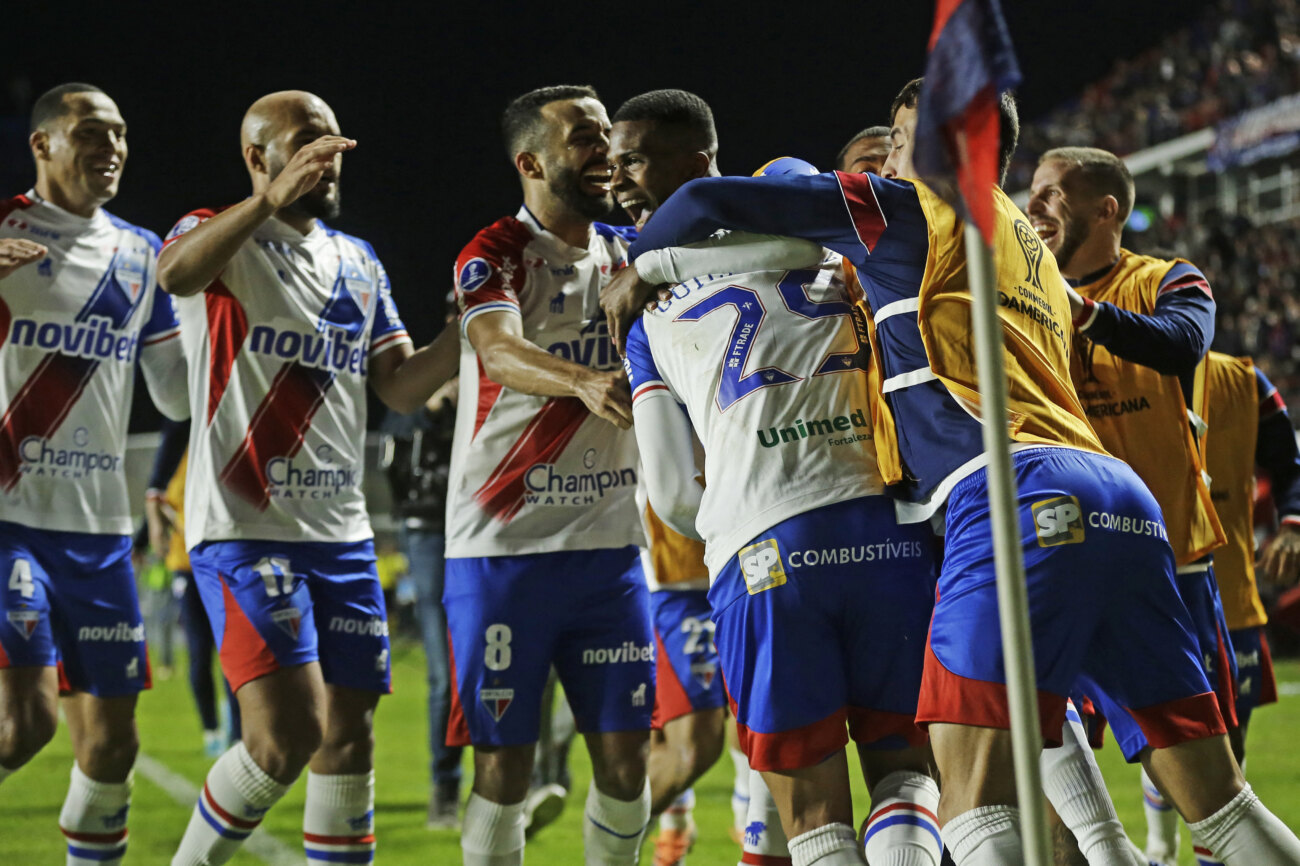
848,213
639,364
1276,451
1174,338
171,448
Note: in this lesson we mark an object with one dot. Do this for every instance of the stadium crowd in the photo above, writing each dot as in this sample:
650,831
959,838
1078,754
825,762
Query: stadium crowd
1237,55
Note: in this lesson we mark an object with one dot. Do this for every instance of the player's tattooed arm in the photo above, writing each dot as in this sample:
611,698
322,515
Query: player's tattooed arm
405,379
190,262
16,252
511,360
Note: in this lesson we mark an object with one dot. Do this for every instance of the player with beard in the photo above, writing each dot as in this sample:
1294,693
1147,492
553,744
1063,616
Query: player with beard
284,321
543,566
84,281
865,151
1142,328
1080,510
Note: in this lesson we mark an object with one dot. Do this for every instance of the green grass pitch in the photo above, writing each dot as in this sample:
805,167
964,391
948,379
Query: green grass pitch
169,733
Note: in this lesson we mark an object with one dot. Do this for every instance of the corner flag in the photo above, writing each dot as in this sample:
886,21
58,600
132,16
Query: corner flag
970,64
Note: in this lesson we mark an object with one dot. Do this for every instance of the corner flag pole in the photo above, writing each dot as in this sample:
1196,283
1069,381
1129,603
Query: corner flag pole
1013,604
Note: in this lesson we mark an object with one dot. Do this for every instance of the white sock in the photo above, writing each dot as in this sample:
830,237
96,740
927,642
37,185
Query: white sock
985,836
828,845
740,789
1246,832
492,834
764,838
678,815
93,820
612,829
1072,782
339,818
1205,857
902,828
234,799
1162,823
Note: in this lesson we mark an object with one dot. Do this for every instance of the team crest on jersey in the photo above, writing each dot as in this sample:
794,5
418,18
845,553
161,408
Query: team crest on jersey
25,621
129,273
1058,521
474,274
761,566
360,286
497,701
289,620
183,226
704,672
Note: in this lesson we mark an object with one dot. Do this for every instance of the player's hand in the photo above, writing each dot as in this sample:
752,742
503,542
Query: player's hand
161,520
623,298
1076,301
305,169
16,252
608,395
1281,561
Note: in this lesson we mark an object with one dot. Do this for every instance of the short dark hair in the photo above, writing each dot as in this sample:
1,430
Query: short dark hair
680,109
1008,121
1103,172
869,132
50,105
522,117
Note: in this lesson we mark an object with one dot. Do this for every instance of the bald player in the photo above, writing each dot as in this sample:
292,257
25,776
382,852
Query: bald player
284,321
81,312
866,151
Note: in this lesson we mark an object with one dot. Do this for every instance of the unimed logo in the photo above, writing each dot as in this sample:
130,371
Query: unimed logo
1058,521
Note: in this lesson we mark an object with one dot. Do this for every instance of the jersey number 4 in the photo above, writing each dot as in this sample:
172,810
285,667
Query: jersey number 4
735,383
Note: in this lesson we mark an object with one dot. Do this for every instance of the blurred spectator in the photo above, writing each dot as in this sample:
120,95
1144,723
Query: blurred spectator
1238,54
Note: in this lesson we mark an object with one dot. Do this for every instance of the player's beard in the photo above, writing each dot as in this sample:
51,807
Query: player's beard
566,185
1073,234
319,205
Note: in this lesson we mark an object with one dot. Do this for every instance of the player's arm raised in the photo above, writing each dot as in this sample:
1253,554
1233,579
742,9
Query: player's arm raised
190,262
405,378
514,362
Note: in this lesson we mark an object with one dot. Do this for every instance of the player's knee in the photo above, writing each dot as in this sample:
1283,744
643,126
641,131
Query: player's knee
109,753
26,732
285,747
622,779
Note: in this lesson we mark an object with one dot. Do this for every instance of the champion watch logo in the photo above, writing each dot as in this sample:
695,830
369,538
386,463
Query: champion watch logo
497,701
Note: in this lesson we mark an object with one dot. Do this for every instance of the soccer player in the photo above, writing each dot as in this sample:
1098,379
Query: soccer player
815,571
1080,510
542,525
660,140
865,151
285,320
1142,328
79,291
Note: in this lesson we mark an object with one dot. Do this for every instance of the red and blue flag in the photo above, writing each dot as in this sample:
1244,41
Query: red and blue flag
970,64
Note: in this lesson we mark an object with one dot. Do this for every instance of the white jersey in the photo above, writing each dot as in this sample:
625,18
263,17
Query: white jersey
771,370
73,326
278,347
538,474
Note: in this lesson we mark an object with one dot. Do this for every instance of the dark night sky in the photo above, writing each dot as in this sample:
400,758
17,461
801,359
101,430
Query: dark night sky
421,89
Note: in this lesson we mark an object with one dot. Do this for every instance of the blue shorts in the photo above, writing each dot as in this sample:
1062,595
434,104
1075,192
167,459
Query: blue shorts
821,625
686,678
275,604
1200,592
510,618
1256,684
69,599
1104,609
